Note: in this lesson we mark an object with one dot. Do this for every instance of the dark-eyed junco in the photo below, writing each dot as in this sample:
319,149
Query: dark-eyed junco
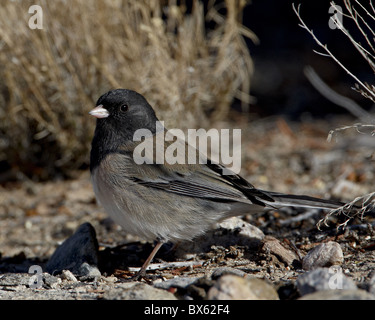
162,201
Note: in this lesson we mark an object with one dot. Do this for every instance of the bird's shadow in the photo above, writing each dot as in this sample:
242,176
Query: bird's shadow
135,253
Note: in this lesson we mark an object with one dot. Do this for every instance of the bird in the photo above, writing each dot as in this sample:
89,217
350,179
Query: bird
165,202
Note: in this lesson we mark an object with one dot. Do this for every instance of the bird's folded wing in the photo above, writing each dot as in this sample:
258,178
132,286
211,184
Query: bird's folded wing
193,180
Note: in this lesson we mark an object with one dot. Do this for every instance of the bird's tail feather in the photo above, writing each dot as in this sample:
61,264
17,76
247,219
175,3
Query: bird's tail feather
281,200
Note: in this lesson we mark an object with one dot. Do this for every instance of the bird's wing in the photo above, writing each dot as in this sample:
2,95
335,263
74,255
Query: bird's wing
200,182
194,180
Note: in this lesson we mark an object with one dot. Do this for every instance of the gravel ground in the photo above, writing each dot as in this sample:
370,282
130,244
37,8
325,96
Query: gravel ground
269,255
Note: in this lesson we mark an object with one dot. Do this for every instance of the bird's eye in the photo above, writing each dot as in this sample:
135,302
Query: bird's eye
124,108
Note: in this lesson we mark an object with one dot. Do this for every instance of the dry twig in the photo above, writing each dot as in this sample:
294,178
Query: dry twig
361,205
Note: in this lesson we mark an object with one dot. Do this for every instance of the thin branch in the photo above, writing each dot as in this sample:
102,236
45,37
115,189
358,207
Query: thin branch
368,13
334,97
356,126
366,203
366,24
372,7
354,16
304,26
321,53
166,265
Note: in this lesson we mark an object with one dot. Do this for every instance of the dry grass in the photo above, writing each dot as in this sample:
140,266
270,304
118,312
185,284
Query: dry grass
52,77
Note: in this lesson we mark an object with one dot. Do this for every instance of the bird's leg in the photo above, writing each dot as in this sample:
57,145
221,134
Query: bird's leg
142,272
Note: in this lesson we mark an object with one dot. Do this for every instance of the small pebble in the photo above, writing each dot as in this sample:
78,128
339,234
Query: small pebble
51,281
68,275
88,271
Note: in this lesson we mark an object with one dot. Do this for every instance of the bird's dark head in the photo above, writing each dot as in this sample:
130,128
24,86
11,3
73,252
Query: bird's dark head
120,113
123,112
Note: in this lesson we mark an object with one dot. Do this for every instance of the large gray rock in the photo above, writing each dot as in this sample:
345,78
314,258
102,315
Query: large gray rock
232,287
324,279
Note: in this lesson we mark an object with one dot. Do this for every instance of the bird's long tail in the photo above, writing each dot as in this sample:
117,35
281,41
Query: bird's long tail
291,200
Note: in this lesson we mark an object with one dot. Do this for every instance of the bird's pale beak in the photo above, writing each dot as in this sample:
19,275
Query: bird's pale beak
99,112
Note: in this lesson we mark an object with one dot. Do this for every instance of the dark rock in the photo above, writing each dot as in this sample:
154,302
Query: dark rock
288,290
80,248
199,288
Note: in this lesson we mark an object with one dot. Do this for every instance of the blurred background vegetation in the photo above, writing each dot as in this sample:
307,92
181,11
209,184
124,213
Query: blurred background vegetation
193,60
51,78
